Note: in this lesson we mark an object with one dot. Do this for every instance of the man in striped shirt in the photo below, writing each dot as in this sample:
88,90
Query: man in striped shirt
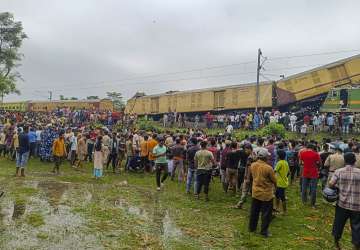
347,180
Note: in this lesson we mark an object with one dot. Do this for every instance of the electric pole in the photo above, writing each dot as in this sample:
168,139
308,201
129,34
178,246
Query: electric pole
257,81
50,95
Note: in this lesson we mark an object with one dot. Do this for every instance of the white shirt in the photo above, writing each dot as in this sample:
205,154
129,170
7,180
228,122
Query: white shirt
38,135
229,128
303,129
73,142
293,118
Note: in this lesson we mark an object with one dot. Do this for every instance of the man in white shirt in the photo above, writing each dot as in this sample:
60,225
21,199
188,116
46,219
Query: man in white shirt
293,119
73,147
38,140
229,129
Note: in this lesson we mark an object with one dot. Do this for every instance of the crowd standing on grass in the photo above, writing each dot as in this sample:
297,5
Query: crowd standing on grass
258,167
304,121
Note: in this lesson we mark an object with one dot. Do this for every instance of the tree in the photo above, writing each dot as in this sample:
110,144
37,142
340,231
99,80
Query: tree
117,100
63,98
92,97
11,38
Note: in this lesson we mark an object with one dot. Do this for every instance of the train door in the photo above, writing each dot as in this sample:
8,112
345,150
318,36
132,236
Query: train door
344,96
155,105
219,99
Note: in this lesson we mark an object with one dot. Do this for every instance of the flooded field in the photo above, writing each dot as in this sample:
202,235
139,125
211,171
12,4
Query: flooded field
74,211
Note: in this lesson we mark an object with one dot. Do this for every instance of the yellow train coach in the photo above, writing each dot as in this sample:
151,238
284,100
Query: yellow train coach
45,106
296,88
231,97
318,81
14,106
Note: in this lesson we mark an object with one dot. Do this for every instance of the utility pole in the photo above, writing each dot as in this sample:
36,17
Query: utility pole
50,95
257,81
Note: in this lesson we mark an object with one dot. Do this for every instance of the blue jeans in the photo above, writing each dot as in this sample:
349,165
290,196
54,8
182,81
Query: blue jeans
309,183
21,159
190,177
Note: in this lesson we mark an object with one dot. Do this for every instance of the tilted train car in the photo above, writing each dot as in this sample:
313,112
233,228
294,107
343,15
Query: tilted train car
345,99
310,84
318,81
43,106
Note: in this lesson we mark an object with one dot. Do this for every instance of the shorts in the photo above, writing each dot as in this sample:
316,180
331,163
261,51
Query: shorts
280,193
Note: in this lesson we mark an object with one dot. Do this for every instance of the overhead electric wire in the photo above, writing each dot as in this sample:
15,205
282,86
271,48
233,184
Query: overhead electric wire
314,54
165,74
205,68
190,78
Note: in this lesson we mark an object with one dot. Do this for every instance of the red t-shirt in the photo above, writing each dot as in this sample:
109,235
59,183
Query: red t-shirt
306,119
310,157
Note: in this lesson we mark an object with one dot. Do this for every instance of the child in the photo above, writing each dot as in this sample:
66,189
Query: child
98,158
282,182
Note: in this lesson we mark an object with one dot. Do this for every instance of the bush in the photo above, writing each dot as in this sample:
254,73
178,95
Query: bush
147,126
273,129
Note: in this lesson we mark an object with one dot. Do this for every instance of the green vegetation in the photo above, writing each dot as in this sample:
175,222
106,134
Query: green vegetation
35,220
133,215
240,134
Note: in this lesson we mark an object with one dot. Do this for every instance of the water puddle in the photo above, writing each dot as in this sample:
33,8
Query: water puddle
54,191
133,210
157,218
62,230
19,210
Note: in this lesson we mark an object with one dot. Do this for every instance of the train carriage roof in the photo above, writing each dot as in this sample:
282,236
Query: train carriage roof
221,88
326,66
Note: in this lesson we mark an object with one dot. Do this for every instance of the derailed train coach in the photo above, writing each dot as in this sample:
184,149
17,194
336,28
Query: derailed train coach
45,106
309,85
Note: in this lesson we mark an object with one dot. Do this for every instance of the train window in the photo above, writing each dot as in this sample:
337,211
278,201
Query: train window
219,99
334,94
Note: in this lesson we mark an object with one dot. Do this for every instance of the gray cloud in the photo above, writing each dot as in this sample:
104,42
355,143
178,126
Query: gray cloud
88,47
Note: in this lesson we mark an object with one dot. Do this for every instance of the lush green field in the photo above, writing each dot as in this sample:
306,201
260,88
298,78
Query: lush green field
74,211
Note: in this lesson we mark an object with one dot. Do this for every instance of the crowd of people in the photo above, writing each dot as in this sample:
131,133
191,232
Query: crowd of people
303,121
258,167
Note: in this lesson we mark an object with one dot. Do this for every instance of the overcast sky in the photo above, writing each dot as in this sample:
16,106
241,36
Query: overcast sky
87,47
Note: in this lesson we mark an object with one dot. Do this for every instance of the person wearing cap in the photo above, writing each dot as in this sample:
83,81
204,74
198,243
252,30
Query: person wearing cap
347,180
263,186
334,162
161,165
311,162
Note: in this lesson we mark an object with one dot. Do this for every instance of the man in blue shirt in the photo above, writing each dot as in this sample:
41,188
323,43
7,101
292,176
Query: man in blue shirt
32,141
330,122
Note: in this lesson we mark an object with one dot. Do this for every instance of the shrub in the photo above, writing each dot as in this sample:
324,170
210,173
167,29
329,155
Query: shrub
273,129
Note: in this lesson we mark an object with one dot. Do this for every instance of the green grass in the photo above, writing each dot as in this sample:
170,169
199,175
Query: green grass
140,221
35,220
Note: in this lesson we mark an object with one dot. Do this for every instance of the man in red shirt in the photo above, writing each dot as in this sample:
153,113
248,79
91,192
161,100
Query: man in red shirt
307,119
310,159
